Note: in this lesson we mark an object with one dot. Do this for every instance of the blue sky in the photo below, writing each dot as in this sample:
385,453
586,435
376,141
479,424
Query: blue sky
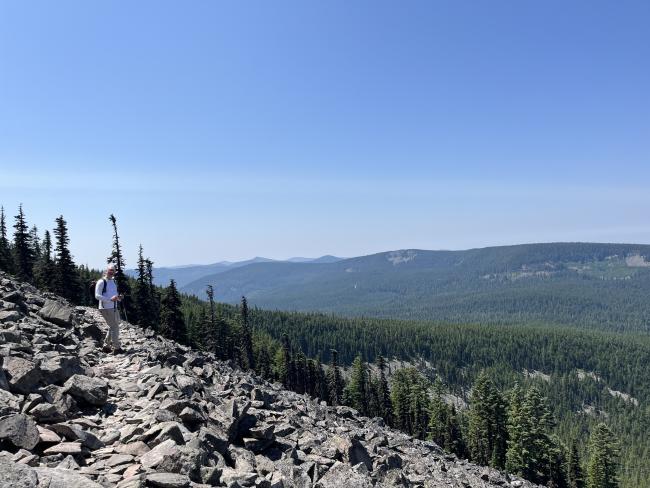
225,130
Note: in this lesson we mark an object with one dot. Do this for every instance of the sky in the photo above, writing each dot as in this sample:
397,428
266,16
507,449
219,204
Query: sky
223,130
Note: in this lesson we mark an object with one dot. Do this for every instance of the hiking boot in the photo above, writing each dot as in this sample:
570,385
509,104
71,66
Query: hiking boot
106,348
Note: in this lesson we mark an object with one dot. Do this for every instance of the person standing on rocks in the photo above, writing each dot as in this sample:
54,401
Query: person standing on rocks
107,295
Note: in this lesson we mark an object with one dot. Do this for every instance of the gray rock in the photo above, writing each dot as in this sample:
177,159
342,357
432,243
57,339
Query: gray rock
19,430
341,475
8,403
64,448
57,313
9,316
63,478
23,375
16,475
90,390
57,369
168,480
76,433
164,450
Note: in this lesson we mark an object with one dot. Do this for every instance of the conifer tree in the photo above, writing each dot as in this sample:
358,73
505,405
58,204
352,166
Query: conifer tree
36,243
263,360
400,398
356,391
602,470
142,299
246,343
172,323
419,407
410,399
383,392
121,279
44,269
212,336
517,450
439,421
6,258
154,297
487,435
66,279
575,475
22,249
285,370
335,380
322,391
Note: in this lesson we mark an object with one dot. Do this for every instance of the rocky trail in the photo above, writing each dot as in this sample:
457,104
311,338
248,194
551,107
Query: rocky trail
163,415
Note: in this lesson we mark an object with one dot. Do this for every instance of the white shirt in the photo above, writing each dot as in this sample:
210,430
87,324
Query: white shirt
105,298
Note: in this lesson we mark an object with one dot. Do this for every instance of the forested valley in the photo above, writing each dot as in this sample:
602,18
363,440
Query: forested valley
560,406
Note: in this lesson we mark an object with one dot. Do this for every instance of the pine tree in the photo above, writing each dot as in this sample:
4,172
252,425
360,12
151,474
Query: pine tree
172,323
22,248
400,399
121,279
487,433
45,269
246,343
142,299
410,399
602,470
212,337
66,281
517,450
6,259
356,391
286,366
556,475
575,474
335,380
36,243
437,428
154,296
322,391
383,392
263,360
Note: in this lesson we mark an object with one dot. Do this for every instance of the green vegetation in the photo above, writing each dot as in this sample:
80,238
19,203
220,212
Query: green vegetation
602,286
527,399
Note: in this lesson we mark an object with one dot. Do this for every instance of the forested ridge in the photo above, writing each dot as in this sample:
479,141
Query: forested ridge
569,428
602,286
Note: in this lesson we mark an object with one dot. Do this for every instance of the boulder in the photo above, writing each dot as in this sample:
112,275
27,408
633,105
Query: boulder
93,391
15,475
19,430
57,313
168,480
164,450
22,375
343,475
9,316
8,403
58,368
63,478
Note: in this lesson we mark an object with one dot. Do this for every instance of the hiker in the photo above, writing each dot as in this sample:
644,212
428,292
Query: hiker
106,293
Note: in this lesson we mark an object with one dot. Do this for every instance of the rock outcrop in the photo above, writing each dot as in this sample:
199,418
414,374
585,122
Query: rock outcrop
162,415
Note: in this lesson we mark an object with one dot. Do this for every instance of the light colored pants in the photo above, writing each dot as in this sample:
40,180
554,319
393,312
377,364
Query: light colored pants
112,318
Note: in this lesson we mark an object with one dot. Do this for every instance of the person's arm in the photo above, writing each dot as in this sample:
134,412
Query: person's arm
98,291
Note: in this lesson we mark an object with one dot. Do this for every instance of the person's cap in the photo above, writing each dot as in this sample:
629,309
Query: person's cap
110,266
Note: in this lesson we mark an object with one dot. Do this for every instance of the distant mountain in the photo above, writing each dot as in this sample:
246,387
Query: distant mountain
323,259
590,285
185,274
